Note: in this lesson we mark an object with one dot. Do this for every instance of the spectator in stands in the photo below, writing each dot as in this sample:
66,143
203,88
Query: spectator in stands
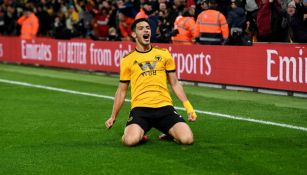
125,23
126,8
2,21
59,29
79,14
71,20
145,9
236,19
302,8
186,27
249,5
236,16
164,25
112,8
180,5
212,26
147,12
284,4
86,14
294,22
29,24
190,3
269,19
100,25
124,17
80,18
45,21
250,26
202,6
113,35
10,20
251,9
250,30
223,6
176,10
163,8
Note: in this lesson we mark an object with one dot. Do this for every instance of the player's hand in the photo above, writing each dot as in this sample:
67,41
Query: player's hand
190,110
109,123
192,116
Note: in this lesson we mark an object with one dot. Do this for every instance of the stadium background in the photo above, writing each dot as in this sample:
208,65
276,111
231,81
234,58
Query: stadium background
267,66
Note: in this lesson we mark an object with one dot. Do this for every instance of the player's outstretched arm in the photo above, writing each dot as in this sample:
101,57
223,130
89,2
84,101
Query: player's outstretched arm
119,99
178,90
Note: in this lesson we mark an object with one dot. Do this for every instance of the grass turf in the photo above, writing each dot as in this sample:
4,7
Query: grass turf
48,132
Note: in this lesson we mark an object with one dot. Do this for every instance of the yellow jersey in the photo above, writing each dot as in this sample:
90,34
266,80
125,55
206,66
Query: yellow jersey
147,74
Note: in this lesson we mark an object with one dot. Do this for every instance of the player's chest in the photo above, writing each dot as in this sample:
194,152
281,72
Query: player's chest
147,63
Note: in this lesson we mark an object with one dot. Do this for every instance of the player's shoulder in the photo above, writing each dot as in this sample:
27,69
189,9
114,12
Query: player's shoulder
160,48
128,54
163,52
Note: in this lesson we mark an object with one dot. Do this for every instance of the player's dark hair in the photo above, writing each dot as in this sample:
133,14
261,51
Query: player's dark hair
133,26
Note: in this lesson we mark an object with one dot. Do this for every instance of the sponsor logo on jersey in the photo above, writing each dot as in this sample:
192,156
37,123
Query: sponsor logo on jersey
147,67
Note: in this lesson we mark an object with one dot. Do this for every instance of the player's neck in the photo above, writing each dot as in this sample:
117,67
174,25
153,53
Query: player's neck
143,48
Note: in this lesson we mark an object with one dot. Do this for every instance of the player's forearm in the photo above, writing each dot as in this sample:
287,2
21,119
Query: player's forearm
118,102
178,90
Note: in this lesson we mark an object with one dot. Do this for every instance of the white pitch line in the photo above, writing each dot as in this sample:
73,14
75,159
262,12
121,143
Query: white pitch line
179,108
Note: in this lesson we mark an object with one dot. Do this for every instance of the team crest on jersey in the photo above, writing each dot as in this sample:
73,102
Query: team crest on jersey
158,58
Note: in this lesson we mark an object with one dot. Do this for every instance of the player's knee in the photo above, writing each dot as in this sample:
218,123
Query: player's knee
186,139
129,140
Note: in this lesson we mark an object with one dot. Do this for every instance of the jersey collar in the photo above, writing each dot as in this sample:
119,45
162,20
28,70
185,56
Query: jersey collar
145,51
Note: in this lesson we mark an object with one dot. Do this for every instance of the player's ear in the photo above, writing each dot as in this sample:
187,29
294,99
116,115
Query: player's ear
133,34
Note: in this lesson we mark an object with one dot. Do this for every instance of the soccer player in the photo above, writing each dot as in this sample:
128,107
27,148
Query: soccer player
148,69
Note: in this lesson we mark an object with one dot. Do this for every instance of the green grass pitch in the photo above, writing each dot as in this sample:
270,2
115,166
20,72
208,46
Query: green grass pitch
51,132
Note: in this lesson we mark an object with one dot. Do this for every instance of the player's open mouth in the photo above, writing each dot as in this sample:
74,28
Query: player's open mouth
146,37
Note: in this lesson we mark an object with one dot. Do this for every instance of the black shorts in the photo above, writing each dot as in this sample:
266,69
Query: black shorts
163,118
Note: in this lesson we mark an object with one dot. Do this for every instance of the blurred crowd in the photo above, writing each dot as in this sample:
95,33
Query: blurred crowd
237,22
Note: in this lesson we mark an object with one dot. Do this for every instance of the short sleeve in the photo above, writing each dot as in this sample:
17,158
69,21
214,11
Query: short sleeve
170,65
125,72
